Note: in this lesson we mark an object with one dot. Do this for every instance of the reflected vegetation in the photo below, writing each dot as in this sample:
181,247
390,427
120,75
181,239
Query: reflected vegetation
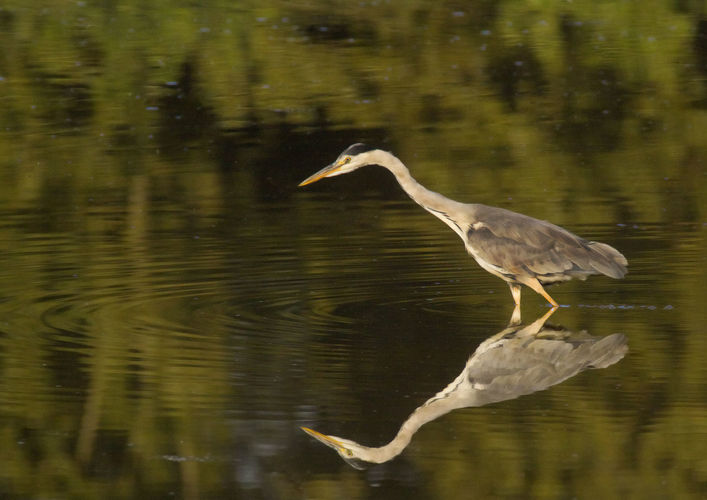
518,360
173,308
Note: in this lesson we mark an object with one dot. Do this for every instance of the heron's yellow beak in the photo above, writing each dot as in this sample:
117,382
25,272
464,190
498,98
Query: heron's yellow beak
327,440
325,172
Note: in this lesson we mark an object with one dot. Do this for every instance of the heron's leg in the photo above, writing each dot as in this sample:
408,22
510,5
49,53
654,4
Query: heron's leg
515,316
534,327
537,325
515,291
538,288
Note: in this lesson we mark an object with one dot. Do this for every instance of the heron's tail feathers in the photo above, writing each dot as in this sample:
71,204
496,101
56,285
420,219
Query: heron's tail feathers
607,260
608,350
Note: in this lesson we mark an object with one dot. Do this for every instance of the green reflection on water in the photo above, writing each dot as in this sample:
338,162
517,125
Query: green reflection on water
167,295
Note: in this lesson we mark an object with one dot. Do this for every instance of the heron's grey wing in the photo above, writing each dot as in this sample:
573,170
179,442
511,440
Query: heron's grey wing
519,243
520,366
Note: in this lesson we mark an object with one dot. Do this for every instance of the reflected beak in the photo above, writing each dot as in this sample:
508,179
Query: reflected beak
325,172
332,443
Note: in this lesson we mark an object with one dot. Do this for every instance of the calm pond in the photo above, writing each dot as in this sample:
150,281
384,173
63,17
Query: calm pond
174,308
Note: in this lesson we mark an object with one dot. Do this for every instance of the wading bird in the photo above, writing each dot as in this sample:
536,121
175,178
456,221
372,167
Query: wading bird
517,248
515,362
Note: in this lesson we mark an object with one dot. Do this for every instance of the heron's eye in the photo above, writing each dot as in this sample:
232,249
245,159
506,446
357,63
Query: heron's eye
349,452
347,160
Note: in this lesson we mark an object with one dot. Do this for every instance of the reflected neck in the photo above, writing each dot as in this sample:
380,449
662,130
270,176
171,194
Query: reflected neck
442,403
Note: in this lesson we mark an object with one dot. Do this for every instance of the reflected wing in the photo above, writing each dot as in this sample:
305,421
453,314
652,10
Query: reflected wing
517,243
519,366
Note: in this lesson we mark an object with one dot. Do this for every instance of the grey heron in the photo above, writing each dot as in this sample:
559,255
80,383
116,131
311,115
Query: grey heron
519,360
519,249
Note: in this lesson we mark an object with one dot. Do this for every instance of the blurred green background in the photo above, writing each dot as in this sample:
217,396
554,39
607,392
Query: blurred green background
173,307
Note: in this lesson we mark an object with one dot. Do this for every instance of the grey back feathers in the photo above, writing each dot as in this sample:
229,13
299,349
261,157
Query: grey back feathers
517,365
520,243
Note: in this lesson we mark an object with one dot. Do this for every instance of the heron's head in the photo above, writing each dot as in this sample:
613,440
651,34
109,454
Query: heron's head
355,156
353,453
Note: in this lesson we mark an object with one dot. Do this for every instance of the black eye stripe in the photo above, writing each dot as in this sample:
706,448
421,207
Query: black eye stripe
357,149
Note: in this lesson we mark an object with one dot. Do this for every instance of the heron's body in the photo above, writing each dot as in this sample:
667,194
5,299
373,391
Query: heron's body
517,248
517,361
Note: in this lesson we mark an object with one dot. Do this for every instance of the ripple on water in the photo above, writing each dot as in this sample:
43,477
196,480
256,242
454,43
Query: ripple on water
251,305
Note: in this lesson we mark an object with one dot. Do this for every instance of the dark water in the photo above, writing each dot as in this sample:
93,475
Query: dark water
173,308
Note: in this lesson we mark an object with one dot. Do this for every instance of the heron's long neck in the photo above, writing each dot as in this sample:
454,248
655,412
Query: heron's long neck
435,203
452,397
391,450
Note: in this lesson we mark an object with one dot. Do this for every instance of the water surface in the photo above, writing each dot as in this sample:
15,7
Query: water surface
174,308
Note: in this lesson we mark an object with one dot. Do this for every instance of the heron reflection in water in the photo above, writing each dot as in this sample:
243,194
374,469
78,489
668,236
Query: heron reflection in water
519,249
517,361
